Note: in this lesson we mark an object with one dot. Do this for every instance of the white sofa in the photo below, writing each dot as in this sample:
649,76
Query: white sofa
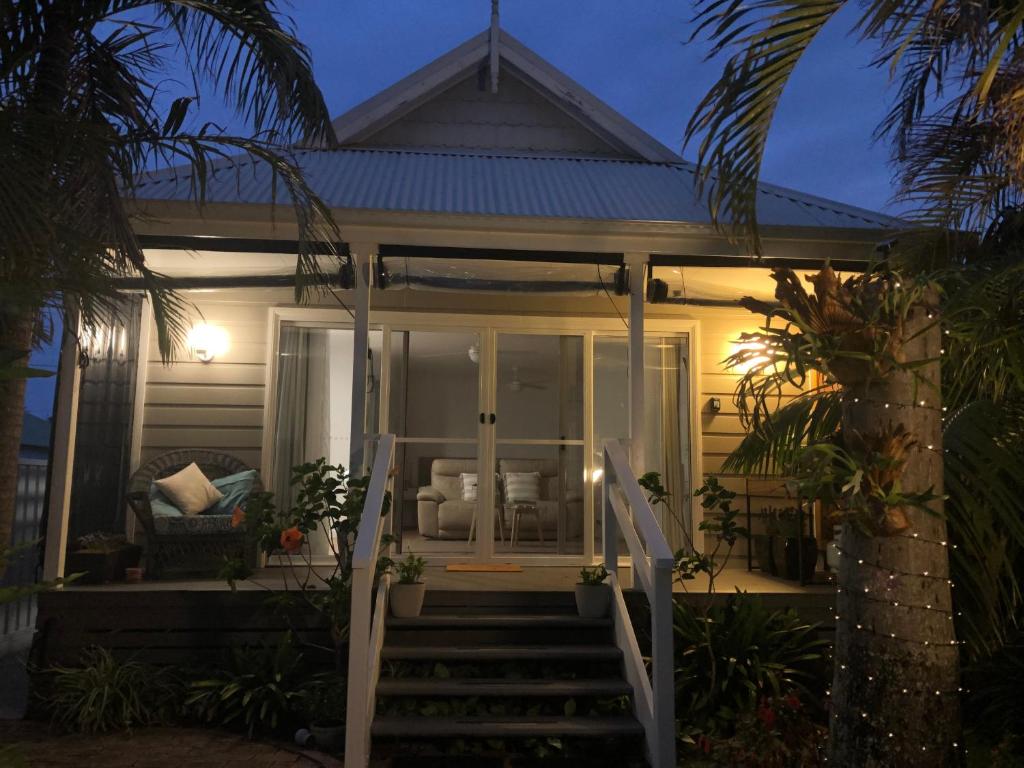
442,514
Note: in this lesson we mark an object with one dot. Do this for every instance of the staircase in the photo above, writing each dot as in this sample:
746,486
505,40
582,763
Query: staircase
504,673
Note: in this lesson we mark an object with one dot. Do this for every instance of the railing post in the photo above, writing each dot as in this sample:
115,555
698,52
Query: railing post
609,525
356,732
663,669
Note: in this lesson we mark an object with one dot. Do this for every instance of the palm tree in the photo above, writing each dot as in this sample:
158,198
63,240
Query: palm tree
956,129
81,88
956,125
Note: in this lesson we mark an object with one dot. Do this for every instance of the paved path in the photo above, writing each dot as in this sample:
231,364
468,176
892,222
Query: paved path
151,748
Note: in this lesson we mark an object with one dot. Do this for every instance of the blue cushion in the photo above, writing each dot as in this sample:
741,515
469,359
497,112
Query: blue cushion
161,505
236,489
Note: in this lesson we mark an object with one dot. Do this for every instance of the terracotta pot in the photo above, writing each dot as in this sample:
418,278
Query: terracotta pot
592,600
407,600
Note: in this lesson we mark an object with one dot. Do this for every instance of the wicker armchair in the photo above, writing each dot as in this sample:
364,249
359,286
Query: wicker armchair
194,545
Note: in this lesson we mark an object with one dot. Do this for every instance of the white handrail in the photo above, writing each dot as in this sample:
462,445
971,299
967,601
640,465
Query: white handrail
625,510
366,623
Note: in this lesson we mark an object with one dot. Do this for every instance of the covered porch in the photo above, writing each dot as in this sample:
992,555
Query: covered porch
521,361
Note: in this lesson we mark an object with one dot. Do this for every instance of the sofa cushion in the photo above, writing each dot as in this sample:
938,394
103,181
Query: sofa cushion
455,516
160,505
444,475
189,490
236,490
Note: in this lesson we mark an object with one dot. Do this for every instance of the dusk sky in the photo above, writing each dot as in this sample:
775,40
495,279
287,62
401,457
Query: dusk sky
633,55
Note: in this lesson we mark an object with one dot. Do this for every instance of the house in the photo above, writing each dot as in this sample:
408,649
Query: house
531,276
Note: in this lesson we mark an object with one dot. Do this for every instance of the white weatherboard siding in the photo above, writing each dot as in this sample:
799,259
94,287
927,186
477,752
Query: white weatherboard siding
217,405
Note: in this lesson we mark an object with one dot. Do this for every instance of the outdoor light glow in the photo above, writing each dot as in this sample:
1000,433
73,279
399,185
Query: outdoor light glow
207,342
755,361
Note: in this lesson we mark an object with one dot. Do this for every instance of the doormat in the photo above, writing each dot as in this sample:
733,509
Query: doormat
483,568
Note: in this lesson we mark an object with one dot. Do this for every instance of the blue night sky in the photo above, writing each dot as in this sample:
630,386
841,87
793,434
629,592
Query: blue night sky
635,56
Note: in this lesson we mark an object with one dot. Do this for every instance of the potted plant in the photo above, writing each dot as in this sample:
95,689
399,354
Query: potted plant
787,541
326,700
592,594
407,594
102,557
764,543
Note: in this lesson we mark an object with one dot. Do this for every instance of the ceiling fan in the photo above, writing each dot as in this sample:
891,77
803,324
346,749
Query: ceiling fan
518,385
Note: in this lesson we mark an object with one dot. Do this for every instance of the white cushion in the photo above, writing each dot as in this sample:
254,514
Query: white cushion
189,490
468,482
522,487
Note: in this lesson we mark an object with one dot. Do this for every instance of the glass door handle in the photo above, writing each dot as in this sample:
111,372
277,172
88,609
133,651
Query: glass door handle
493,418
481,418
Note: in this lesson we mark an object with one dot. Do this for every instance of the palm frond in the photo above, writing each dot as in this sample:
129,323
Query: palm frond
734,117
985,510
775,444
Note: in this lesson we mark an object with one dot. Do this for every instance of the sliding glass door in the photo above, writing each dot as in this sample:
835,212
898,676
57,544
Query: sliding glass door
434,411
499,429
538,439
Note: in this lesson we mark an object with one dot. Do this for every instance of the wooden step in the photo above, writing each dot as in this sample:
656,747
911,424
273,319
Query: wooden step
505,727
434,687
498,621
501,652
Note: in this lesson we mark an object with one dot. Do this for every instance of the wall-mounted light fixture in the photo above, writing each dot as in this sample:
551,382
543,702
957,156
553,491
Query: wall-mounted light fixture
207,342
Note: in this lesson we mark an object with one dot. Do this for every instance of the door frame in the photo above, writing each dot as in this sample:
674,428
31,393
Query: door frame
489,325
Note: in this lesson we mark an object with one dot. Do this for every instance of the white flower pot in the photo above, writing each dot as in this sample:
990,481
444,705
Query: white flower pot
592,600
407,600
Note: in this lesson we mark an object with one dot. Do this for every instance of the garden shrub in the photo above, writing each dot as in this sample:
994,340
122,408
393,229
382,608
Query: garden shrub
748,679
104,694
263,690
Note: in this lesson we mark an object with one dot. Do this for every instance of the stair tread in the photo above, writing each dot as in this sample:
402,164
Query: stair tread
501,652
525,620
502,687
506,726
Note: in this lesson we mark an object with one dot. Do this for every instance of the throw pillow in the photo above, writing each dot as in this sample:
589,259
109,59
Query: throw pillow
236,489
468,482
189,490
522,487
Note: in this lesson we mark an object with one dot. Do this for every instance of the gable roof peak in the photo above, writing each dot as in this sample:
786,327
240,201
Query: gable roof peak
491,49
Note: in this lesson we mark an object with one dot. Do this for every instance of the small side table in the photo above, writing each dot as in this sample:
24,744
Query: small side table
518,510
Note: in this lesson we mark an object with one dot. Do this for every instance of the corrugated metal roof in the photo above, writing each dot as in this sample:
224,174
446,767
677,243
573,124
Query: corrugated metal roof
503,185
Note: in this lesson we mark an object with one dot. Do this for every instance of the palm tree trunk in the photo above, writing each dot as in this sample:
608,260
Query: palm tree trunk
12,409
894,696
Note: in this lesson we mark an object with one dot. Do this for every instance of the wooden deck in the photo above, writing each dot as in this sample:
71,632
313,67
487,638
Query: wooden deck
531,579
197,621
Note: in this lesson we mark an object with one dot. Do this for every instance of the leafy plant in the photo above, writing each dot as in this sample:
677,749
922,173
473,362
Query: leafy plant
410,570
325,697
327,501
736,653
860,480
104,694
593,577
101,542
261,691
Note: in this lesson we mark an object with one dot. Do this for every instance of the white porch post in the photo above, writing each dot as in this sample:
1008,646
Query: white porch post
62,456
362,257
637,263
